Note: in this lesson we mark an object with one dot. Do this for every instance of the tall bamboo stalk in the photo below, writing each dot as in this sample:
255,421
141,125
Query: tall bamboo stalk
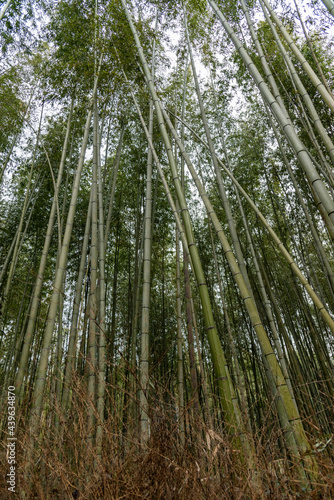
75,315
20,226
44,357
93,300
298,147
301,90
145,316
233,419
180,376
102,312
29,334
317,302
290,420
299,56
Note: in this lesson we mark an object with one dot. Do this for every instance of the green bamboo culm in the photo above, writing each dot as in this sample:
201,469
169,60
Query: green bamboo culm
316,184
229,403
37,399
289,416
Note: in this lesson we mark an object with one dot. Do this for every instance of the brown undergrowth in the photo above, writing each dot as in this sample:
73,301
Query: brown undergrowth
64,465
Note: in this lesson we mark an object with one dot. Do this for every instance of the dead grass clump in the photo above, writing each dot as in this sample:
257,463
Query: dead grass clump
63,463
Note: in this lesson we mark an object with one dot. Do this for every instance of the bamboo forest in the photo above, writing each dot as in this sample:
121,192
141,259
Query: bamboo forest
167,249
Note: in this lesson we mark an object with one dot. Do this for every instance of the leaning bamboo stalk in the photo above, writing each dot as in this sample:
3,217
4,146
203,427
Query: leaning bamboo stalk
187,287
309,43
292,423
75,314
44,357
301,89
41,270
317,302
228,397
20,226
329,5
172,205
298,147
264,63
241,384
14,142
320,87
4,9
322,165
221,187
267,307
224,381
175,211
323,257
31,201
272,324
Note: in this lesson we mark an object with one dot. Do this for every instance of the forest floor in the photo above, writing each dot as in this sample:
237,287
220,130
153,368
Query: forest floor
208,467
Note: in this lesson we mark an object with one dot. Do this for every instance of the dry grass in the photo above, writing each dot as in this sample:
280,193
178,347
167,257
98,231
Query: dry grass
64,466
